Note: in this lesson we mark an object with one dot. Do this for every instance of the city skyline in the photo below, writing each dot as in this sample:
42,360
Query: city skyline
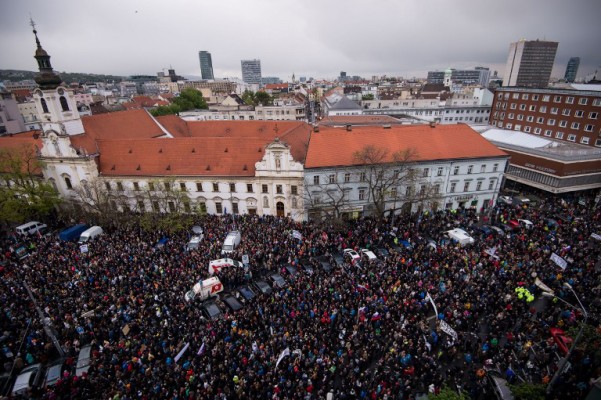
312,40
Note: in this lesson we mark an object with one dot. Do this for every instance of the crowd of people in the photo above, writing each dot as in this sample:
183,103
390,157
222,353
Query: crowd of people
358,331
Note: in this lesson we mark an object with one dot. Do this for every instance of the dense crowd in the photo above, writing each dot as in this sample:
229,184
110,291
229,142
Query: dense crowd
358,331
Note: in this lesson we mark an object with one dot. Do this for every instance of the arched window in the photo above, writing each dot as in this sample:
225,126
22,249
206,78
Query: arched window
64,103
44,106
68,182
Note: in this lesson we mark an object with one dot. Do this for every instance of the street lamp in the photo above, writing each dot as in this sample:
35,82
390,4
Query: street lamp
564,360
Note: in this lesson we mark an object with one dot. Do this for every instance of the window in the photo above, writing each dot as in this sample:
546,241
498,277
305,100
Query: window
347,177
218,208
249,187
235,208
44,106
141,205
537,131
508,125
315,180
506,96
120,186
151,186
453,185
593,115
155,206
199,186
332,178
563,124
510,116
557,99
551,122
466,186
362,194
575,125
520,117
278,189
294,203
409,191
525,96
523,107
362,177
554,110
535,97
579,114
598,142
422,190
572,138
532,108
583,101
548,132
584,140
436,189
469,169
294,190
456,170
495,167
479,186
232,187
64,104
203,208
540,120
167,185
483,168
187,206
546,97
559,135
527,129
425,172
566,112
529,118
515,96
215,187
107,185
518,127
491,184
171,206
70,186
513,106
597,103
543,109
569,100
136,186
439,172
182,186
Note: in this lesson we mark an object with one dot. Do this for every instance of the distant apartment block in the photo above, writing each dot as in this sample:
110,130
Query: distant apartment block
572,69
251,71
529,63
570,115
478,76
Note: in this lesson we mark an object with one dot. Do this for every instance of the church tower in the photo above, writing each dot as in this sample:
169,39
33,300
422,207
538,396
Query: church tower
55,104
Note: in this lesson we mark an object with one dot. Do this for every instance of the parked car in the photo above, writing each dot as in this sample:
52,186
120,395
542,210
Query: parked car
526,223
500,386
338,259
381,252
305,264
84,360
497,230
486,230
505,200
277,280
246,292
231,302
263,287
210,310
368,255
55,371
194,243
291,270
29,379
352,255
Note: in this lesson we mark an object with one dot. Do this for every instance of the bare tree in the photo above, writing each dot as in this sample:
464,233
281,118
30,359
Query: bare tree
386,175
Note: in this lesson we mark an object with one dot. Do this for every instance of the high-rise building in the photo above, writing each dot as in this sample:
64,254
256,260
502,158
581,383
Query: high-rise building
206,65
251,71
572,69
477,76
530,63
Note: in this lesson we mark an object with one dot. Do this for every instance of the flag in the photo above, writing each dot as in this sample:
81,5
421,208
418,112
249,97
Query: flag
297,235
201,350
446,328
428,345
361,288
432,301
361,314
297,352
181,353
284,353
255,347
559,261
376,316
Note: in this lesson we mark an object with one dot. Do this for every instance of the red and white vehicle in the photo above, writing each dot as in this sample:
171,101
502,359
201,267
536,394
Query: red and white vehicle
352,255
216,265
205,289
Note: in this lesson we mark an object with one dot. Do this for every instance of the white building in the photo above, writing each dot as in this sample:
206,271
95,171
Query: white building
455,167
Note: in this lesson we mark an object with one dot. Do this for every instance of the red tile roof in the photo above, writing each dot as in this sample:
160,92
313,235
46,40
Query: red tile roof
24,142
199,148
131,124
335,146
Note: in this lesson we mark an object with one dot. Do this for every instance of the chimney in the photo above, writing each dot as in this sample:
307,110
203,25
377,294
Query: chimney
432,124
349,127
316,128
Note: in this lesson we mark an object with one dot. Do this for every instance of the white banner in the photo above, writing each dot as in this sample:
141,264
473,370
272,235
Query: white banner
284,353
297,235
83,248
432,301
559,261
446,328
181,353
595,236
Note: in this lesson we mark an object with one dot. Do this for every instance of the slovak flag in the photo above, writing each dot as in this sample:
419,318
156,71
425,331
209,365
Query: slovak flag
362,314
376,316
361,288
201,350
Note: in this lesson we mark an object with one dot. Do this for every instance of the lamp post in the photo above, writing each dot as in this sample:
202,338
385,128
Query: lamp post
565,359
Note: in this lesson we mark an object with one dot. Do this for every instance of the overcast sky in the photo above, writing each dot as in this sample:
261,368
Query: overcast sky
312,38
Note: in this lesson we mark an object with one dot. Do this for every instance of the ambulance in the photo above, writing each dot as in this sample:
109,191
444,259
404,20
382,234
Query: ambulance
205,289
216,265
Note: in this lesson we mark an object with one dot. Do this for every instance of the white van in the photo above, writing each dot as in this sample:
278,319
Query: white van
205,289
460,236
232,240
216,265
90,234
30,228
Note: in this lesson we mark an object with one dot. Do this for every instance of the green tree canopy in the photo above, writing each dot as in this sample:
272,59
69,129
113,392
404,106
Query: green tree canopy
257,98
188,99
